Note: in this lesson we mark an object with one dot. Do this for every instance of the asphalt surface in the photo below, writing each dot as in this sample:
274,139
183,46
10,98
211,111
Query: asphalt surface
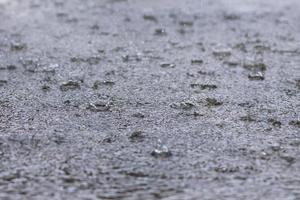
160,99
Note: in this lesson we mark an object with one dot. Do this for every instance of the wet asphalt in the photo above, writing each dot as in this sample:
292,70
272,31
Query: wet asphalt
160,99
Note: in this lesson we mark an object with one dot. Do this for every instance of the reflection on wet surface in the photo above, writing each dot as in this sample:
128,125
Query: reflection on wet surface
161,99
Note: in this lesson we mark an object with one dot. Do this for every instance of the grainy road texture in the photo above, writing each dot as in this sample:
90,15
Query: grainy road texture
156,99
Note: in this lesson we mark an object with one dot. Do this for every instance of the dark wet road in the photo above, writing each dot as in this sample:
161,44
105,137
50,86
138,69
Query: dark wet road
161,99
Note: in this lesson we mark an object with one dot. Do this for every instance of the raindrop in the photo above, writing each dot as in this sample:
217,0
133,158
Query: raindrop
222,52
257,76
160,32
167,65
213,102
3,82
45,88
162,151
125,58
16,46
197,61
148,17
186,23
295,123
255,66
99,106
138,115
203,86
137,136
183,105
69,85
98,84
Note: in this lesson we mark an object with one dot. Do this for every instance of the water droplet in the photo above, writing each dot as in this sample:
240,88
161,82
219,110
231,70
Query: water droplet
231,16
149,17
213,102
3,78
95,27
247,118
125,58
98,84
298,83
107,140
45,88
231,63
3,82
99,106
138,115
197,61
167,65
295,123
16,46
70,85
162,151
186,23
222,52
11,67
289,159
256,76
275,123
136,136
160,32
203,86
183,105
255,66
31,65
94,60
275,147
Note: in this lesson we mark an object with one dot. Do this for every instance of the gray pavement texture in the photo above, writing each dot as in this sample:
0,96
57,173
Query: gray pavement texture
157,99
